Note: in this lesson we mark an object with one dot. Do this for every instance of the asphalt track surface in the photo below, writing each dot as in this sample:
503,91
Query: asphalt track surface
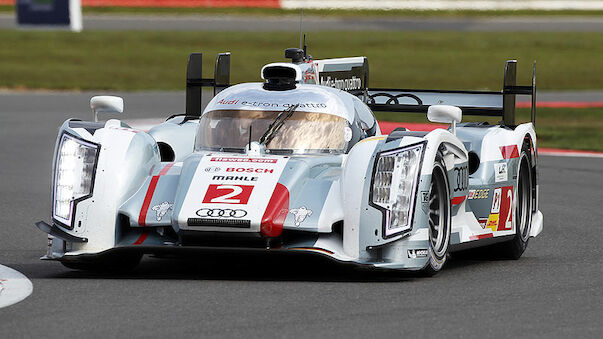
554,290
312,23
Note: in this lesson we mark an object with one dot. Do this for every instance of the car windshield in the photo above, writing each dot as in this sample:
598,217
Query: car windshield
302,132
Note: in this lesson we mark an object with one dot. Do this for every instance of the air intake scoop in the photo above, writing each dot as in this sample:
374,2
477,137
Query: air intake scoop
281,76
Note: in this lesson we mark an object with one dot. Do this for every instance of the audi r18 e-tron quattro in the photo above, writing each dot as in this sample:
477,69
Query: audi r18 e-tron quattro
298,163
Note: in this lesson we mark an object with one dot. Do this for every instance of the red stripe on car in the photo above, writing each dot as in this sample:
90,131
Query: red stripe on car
142,238
458,200
142,217
481,236
509,152
276,212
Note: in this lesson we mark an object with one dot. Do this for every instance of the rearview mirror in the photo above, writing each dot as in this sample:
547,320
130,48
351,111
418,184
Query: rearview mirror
106,104
445,114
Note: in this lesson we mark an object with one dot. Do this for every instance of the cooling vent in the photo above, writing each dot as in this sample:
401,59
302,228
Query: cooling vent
210,222
280,76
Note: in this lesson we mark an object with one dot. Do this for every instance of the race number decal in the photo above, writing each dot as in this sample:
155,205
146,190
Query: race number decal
227,194
505,221
501,213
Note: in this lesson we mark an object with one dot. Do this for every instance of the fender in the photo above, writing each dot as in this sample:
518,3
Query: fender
125,159
175,138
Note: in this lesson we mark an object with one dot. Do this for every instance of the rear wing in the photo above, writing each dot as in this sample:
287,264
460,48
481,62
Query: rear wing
347,74
195,81
479,103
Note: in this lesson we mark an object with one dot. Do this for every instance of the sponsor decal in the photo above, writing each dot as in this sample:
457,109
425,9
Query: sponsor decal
229,101
425,197
310,75
300,214
500,172
227,194
234,178
254,160
250,170
221,213
343,84
212,169
483,222
161,209
501,212
478,194
142,217
492,222
273,105
462,178
417,253
496,200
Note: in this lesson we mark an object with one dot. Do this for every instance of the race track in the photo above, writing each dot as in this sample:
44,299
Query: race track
554,290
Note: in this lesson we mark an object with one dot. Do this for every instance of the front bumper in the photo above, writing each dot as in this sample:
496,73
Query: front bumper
60,249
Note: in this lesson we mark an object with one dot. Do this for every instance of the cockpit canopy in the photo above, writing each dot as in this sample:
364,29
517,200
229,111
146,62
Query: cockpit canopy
303,132
310,119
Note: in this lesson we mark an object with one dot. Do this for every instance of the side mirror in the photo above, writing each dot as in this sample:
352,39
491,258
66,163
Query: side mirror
106,104
445,114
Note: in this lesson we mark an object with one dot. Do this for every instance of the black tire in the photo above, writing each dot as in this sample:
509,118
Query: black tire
114,263
440,219
513,249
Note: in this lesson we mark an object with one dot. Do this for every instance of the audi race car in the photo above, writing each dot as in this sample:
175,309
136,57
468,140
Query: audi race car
298,163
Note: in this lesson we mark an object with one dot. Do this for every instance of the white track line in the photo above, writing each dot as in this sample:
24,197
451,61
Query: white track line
571,154
14,286
146,124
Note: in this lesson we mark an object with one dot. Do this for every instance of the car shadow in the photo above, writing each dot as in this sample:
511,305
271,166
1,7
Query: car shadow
250,267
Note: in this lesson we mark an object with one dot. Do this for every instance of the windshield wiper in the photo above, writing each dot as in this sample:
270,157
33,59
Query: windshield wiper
278,122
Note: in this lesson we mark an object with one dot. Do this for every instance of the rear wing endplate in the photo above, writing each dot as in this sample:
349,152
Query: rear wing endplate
479,103
195,81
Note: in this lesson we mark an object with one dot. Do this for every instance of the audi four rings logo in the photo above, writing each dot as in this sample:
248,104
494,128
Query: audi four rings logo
212,169
221,213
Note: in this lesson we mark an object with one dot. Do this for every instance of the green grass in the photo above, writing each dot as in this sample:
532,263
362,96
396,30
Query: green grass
143,60
324,12
99,60
569,128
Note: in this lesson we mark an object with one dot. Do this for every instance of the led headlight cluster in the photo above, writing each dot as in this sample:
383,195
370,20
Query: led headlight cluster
73,177
394,186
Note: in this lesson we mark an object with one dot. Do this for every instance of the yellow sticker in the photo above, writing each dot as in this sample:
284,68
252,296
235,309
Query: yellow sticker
492,222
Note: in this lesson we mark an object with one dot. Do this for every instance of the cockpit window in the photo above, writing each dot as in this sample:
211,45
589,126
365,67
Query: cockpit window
302,132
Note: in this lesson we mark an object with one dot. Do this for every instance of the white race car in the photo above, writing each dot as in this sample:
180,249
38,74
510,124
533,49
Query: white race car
298,163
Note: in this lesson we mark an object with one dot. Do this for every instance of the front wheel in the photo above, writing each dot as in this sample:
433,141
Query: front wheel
440,220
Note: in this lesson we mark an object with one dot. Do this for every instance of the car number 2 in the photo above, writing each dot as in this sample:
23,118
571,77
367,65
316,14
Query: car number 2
228,194
502,204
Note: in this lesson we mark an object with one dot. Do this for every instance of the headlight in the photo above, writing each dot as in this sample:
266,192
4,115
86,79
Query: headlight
394,186
75,167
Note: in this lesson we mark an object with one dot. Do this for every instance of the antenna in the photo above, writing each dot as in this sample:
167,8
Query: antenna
305,49
249,144
301,19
